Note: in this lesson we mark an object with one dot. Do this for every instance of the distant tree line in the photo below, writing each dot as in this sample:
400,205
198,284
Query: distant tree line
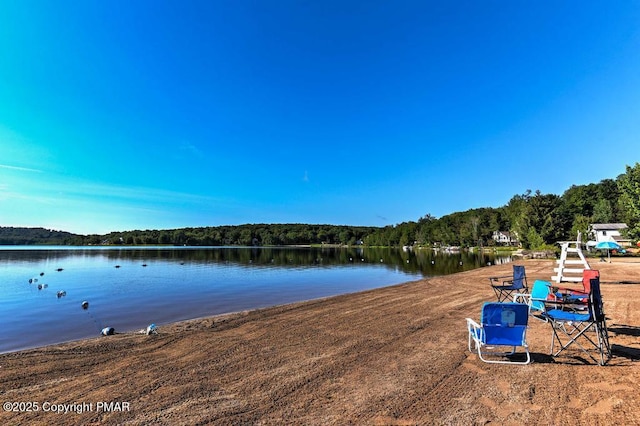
242,235
31,236
539,220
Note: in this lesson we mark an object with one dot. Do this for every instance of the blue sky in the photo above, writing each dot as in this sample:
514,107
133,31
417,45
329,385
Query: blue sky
118,115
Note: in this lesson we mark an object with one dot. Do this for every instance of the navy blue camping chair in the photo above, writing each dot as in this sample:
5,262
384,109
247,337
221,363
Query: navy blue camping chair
502,329
587,330
505,287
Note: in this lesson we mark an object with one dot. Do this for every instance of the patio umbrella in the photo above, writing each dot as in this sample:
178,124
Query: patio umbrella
608,245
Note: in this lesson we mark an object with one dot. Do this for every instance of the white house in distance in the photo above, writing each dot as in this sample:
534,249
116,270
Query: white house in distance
608,232
505,238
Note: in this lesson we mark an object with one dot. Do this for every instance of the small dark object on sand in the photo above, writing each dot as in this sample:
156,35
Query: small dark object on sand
108,331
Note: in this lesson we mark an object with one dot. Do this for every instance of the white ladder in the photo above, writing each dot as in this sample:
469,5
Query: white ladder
564,274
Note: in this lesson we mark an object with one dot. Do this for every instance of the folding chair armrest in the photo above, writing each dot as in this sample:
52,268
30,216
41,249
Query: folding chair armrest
543,302
567,290
497,279
474,328
552,304
501,277
578,292
522,298
476,332
472,324
537,299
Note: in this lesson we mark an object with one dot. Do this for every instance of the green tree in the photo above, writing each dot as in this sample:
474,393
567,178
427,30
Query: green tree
580,224
608,190
517,213
602,211
245,237
164,238
345,236
534,239
629,185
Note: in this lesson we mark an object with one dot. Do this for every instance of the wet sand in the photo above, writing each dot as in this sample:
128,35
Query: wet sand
396,355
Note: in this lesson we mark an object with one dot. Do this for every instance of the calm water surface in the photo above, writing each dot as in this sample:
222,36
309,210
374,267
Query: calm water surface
129,288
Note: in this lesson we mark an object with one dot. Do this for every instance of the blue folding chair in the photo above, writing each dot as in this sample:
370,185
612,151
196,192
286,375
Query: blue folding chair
575,326
541,294
502,329
505,287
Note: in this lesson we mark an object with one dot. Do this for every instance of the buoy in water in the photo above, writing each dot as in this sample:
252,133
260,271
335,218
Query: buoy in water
108,331
85,305
61,293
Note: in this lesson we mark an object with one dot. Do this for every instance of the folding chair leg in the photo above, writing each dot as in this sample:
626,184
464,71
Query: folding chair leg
603,342
505,353
503,295
498,294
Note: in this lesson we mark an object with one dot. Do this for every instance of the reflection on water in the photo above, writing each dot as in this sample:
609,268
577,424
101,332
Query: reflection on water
425,262
128,288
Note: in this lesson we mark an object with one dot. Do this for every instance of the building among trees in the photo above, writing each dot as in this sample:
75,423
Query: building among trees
609,232
505,238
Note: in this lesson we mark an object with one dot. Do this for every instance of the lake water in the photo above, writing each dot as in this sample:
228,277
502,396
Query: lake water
128,288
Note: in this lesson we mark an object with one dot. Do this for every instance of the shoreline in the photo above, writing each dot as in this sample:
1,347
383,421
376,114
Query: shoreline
213,318
171,287
389,355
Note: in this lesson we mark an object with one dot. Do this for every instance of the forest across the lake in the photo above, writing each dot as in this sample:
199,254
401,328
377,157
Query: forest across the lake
537,220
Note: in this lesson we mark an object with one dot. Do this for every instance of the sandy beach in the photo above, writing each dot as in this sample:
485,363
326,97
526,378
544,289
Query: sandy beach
396,355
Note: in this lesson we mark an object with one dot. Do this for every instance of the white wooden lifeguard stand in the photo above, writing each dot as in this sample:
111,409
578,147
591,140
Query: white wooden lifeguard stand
571,274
